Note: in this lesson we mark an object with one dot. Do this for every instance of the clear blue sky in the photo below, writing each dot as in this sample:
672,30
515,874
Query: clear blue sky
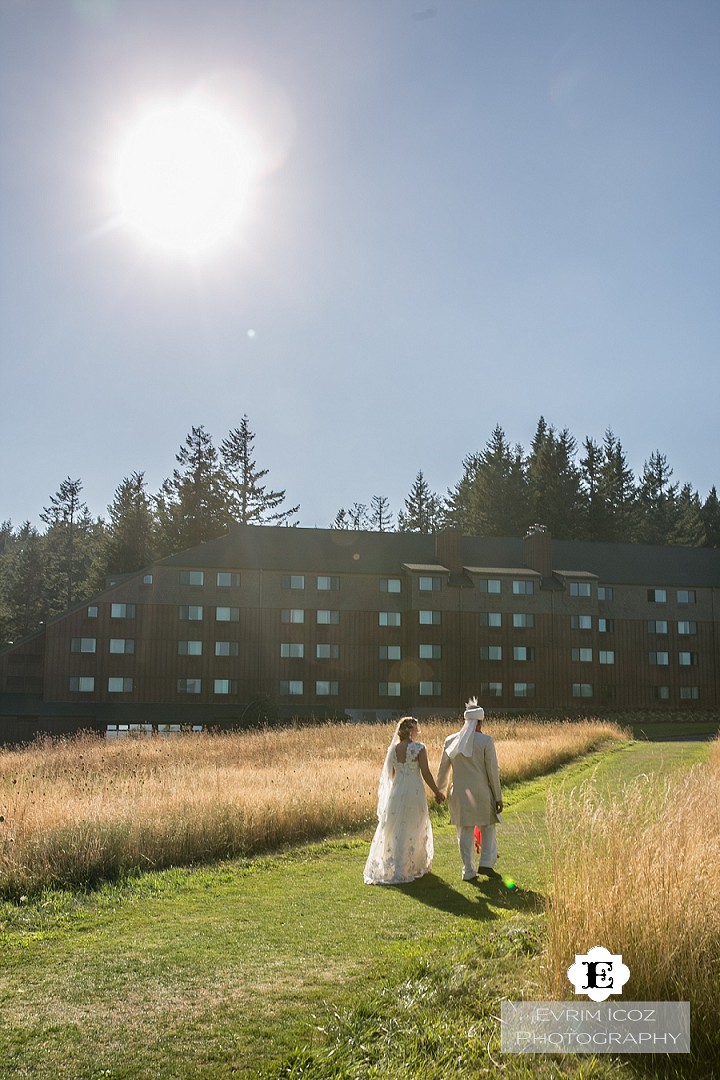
472,212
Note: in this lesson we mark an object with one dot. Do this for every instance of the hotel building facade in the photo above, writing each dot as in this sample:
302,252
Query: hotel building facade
368,626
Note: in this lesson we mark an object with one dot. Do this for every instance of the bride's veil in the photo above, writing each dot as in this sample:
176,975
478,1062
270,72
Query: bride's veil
386,776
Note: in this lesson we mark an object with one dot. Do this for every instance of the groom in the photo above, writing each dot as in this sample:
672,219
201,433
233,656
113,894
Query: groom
475,795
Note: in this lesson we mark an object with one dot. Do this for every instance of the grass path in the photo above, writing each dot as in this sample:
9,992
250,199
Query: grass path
220,972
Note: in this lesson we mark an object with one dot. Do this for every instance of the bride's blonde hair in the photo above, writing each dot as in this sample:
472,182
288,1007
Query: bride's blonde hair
405,726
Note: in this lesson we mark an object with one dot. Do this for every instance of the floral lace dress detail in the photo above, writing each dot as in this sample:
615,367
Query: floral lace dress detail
402,847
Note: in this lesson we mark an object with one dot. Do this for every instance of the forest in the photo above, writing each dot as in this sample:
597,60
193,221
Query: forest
580,492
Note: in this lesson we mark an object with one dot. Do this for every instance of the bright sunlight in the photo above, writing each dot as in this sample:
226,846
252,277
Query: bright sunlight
182,177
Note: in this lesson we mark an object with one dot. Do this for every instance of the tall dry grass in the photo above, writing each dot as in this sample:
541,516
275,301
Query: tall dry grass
639,873
82,810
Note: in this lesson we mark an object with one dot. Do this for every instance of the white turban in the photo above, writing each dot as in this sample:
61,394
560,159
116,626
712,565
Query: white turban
462,741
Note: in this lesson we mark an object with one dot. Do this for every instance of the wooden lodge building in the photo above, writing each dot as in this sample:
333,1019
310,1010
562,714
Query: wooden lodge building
371,626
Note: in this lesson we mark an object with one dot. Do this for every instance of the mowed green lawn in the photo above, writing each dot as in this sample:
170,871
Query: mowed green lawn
289,966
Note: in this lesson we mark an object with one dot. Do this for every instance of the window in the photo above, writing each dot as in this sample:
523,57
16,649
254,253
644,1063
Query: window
293,581
606,626
581,622
92,611
119,685
582,689
605,592
491,689
227,614
82,684
327,584
491,652
227,648
292,615
430,652
291,687
190,648
227,580
192,577
524,689
290,650
122,611
689,693
189,686
687,659
657,626
523,588
429,584
388,652
657,596
490,618
490,585
583,656
687,627
389,689
580,588
524,622
147,579
606,656
83,644
429,618
327,652
661,693
122,645
389,618
327,618
522,652
659,659
390,584
326,688
225,686
190,613
430,689
686,596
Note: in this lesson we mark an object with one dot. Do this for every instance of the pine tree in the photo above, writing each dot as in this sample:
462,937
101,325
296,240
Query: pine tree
129,540
498,496
70,543
711,519
618,491
596,525
690,527
355,517
553,478
423,509
24,584
250,503
458,512
192,505
657,502
380,515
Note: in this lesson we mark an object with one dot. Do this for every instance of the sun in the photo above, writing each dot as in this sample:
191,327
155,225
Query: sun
182,177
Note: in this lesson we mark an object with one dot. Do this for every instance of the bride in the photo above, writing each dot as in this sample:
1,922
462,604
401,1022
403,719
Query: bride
402,847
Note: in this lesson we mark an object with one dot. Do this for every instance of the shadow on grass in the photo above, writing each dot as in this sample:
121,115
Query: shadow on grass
478,899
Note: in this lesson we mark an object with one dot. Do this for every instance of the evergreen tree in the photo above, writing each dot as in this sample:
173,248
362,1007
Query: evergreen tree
618,492
70,543
423,509
553,479
498,496
355,517
341,520
711,519
128,543
380,516
458,512
192,505
249,501
658,518
24,579
690,527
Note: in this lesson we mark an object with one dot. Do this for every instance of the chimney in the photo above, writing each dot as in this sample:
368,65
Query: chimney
449,549
538,550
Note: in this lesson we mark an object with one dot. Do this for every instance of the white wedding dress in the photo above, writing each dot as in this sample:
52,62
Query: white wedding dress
402,847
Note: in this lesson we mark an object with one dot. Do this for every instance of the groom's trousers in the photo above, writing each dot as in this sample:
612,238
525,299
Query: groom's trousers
466,843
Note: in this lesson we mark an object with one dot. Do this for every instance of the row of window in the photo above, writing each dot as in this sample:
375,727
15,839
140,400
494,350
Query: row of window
682,596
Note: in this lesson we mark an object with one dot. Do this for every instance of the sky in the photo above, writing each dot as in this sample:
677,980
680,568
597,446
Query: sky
453,214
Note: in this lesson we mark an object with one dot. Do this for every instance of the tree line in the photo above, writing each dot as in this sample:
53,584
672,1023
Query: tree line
579,493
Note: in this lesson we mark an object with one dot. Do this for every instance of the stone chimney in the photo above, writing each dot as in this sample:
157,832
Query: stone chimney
538,550
449,549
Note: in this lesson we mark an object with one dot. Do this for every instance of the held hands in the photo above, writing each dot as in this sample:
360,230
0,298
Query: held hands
439,797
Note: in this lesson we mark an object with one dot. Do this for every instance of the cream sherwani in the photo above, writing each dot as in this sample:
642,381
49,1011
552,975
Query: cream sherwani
474,792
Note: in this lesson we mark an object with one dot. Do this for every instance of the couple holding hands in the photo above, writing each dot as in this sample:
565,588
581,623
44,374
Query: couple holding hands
402,847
